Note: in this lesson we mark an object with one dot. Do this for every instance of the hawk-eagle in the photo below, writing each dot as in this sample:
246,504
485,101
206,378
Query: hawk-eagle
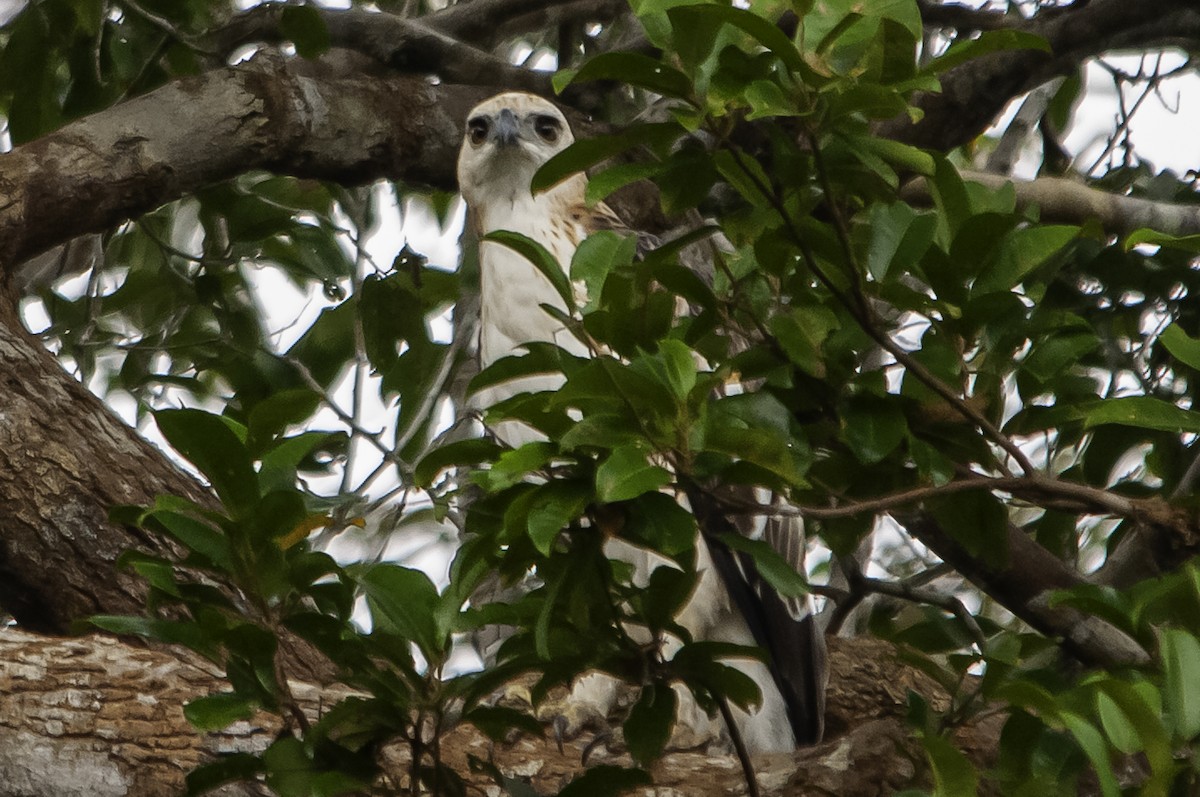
507,139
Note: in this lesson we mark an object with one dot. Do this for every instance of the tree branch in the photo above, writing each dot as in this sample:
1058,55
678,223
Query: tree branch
478,20
963,18
975,92
270,114
1064,200
406,45
1024,583
91,716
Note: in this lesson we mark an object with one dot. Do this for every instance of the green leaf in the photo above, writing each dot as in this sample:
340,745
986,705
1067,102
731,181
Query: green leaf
989,41
767,100
554,505
215,712
327,347
461,452
762,30
306,29
606,780
632,68
648,726
978,521
279,465
390,311
541,358
172,632
953,774
596,257
801,333
498,722
905,157
541,259
756,428
1117,727
1143,412
588,152
626,474
195,534
513,466
606,182
698,664
275,413
228,768
207,442
673,365
158,572
658,521
774,569
1134,721
1095,749
1019,253
403,601
887,225
872,426
1185,243
1182,346
601,430
1180,652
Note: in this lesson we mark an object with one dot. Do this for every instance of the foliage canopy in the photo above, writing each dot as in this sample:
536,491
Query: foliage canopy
919,354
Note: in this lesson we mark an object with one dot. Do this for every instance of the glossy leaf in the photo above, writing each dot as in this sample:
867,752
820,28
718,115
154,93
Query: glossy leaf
1181,667
627,474
218,711
209,444
648,726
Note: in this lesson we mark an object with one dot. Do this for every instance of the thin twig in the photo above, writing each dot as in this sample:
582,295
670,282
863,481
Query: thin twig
1038,490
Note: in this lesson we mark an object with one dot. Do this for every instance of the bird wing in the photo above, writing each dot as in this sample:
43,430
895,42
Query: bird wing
786,630
601,217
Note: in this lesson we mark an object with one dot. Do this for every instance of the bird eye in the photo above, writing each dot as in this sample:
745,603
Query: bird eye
477,130
547,127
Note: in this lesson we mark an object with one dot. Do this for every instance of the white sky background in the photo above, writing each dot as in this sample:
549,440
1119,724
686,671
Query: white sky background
1165,132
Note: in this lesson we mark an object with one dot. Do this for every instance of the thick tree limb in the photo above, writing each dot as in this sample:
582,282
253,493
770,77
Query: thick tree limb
65,460
126,160
287,116
975,92
90,716
1023,585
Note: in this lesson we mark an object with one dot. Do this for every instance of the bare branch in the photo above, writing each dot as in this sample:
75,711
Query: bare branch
1065,200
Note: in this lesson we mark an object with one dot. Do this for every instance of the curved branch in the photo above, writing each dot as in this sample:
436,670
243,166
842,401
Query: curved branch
126,160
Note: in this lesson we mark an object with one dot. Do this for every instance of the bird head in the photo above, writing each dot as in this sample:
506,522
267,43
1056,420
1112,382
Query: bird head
508,138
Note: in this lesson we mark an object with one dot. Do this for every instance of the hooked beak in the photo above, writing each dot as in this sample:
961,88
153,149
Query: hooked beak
506,131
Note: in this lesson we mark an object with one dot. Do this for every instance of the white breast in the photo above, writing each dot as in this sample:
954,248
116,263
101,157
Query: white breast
513,290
